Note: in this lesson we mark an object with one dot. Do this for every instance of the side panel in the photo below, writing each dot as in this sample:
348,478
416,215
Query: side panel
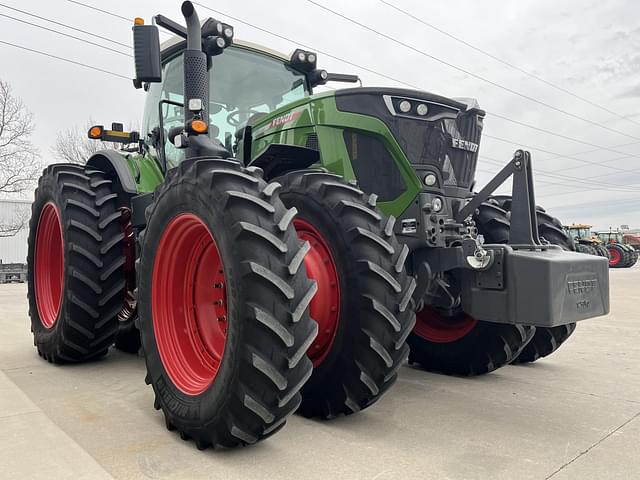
319,115
146,172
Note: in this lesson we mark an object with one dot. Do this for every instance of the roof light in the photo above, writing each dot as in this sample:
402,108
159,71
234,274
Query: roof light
138,21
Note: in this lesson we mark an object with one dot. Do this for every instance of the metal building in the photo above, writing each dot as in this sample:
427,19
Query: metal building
13,248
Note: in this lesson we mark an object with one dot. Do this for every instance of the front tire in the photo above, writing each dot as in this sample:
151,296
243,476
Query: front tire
462,345
363,302
75,264
223,305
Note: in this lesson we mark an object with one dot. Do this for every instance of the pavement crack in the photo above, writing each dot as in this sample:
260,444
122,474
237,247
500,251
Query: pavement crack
563,466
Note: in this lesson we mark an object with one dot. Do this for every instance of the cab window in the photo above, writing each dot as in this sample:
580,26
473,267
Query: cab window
243,84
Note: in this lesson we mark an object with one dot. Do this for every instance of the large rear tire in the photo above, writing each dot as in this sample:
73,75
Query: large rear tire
602,251
632,256
75,264
545,342
223,305
581,248
462,345
363,302
548,339
617,256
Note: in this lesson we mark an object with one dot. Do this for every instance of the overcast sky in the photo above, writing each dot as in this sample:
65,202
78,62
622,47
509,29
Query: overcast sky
591,48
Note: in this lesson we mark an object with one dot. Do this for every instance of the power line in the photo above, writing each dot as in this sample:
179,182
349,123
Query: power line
22,47
626,155
508,64
309,47
64,25
128,20
282,37
571,157
471,74
400,81
560,135
546,173
65,35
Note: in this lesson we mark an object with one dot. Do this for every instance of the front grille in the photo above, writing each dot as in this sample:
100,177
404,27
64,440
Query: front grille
425,141
375,168
461,165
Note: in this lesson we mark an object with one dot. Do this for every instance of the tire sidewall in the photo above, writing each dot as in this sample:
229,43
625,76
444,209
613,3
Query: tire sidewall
335,239
47,192
185,198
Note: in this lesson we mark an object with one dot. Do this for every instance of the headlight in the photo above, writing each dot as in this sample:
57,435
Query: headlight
405,106
430,179
301,56
422,109
436,205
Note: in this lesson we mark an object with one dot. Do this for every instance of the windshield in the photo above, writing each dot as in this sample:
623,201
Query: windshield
243,83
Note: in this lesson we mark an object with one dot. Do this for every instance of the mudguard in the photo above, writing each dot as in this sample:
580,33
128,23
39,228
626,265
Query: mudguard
110,161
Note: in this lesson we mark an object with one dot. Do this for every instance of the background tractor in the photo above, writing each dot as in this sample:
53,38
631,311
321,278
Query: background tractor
272,244
622,254
585,240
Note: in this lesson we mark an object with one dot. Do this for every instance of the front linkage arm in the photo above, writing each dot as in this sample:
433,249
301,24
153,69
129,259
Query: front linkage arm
524,227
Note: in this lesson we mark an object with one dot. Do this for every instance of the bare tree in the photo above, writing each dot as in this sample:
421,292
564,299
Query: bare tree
74,146
20,163
15,222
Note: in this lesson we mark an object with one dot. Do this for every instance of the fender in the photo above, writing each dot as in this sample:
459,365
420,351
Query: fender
115,165
278,159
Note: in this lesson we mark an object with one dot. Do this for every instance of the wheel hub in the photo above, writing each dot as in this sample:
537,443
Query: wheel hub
325,306
615,257
431,325
49,265
189,304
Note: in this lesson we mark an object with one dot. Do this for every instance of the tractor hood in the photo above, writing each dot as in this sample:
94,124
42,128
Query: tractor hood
431,130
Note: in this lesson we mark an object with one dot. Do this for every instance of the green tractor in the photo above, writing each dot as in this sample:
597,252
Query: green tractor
268,247
621,254
585,240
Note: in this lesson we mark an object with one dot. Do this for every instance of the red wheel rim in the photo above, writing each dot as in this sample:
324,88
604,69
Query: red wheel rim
437,328
325,306
188,302
615,257
49,265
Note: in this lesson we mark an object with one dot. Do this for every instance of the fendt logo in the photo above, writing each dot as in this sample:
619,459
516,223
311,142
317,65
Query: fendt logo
577,287
464,145
289,117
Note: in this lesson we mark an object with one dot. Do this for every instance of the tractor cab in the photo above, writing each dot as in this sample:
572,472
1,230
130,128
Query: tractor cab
245,83
581,233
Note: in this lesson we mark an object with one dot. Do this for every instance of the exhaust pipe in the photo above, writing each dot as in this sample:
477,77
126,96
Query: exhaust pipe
196,75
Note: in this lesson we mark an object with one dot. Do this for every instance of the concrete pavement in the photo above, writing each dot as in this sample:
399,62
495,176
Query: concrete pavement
575,415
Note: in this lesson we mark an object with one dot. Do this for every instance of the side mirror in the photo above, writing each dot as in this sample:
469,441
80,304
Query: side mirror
146,49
